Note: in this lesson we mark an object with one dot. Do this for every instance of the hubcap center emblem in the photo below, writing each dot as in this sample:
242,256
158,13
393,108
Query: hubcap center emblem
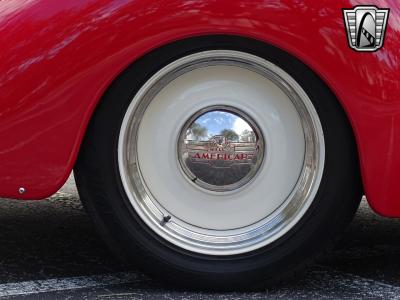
220,148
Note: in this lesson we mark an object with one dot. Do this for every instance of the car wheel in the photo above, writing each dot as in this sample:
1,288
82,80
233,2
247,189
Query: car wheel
219,163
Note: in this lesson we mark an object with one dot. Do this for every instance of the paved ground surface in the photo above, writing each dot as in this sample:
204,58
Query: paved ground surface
50,250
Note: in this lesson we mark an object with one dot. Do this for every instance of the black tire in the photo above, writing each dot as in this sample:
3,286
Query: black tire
101,190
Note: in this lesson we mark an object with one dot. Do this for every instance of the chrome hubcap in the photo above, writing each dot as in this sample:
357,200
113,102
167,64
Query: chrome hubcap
220,148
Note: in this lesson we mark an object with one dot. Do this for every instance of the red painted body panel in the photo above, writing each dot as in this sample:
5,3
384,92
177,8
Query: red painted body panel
57,58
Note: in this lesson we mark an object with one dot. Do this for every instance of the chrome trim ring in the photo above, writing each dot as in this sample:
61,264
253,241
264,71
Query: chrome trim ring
218,154
172,206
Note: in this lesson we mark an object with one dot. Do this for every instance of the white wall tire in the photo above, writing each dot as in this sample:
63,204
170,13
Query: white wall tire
260,228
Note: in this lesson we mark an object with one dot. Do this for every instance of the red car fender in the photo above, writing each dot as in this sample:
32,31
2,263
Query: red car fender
58,58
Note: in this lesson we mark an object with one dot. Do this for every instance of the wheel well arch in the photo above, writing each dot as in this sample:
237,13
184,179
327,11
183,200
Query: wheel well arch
259,44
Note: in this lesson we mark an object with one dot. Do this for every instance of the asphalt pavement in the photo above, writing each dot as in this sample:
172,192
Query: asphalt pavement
50,250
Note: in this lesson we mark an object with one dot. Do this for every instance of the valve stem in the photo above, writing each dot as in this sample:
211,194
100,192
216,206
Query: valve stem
165,220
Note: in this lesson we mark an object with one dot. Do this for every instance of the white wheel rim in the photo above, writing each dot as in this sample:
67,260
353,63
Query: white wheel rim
239,220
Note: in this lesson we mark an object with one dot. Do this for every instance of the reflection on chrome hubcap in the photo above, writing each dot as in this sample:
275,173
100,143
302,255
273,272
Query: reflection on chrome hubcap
220,148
